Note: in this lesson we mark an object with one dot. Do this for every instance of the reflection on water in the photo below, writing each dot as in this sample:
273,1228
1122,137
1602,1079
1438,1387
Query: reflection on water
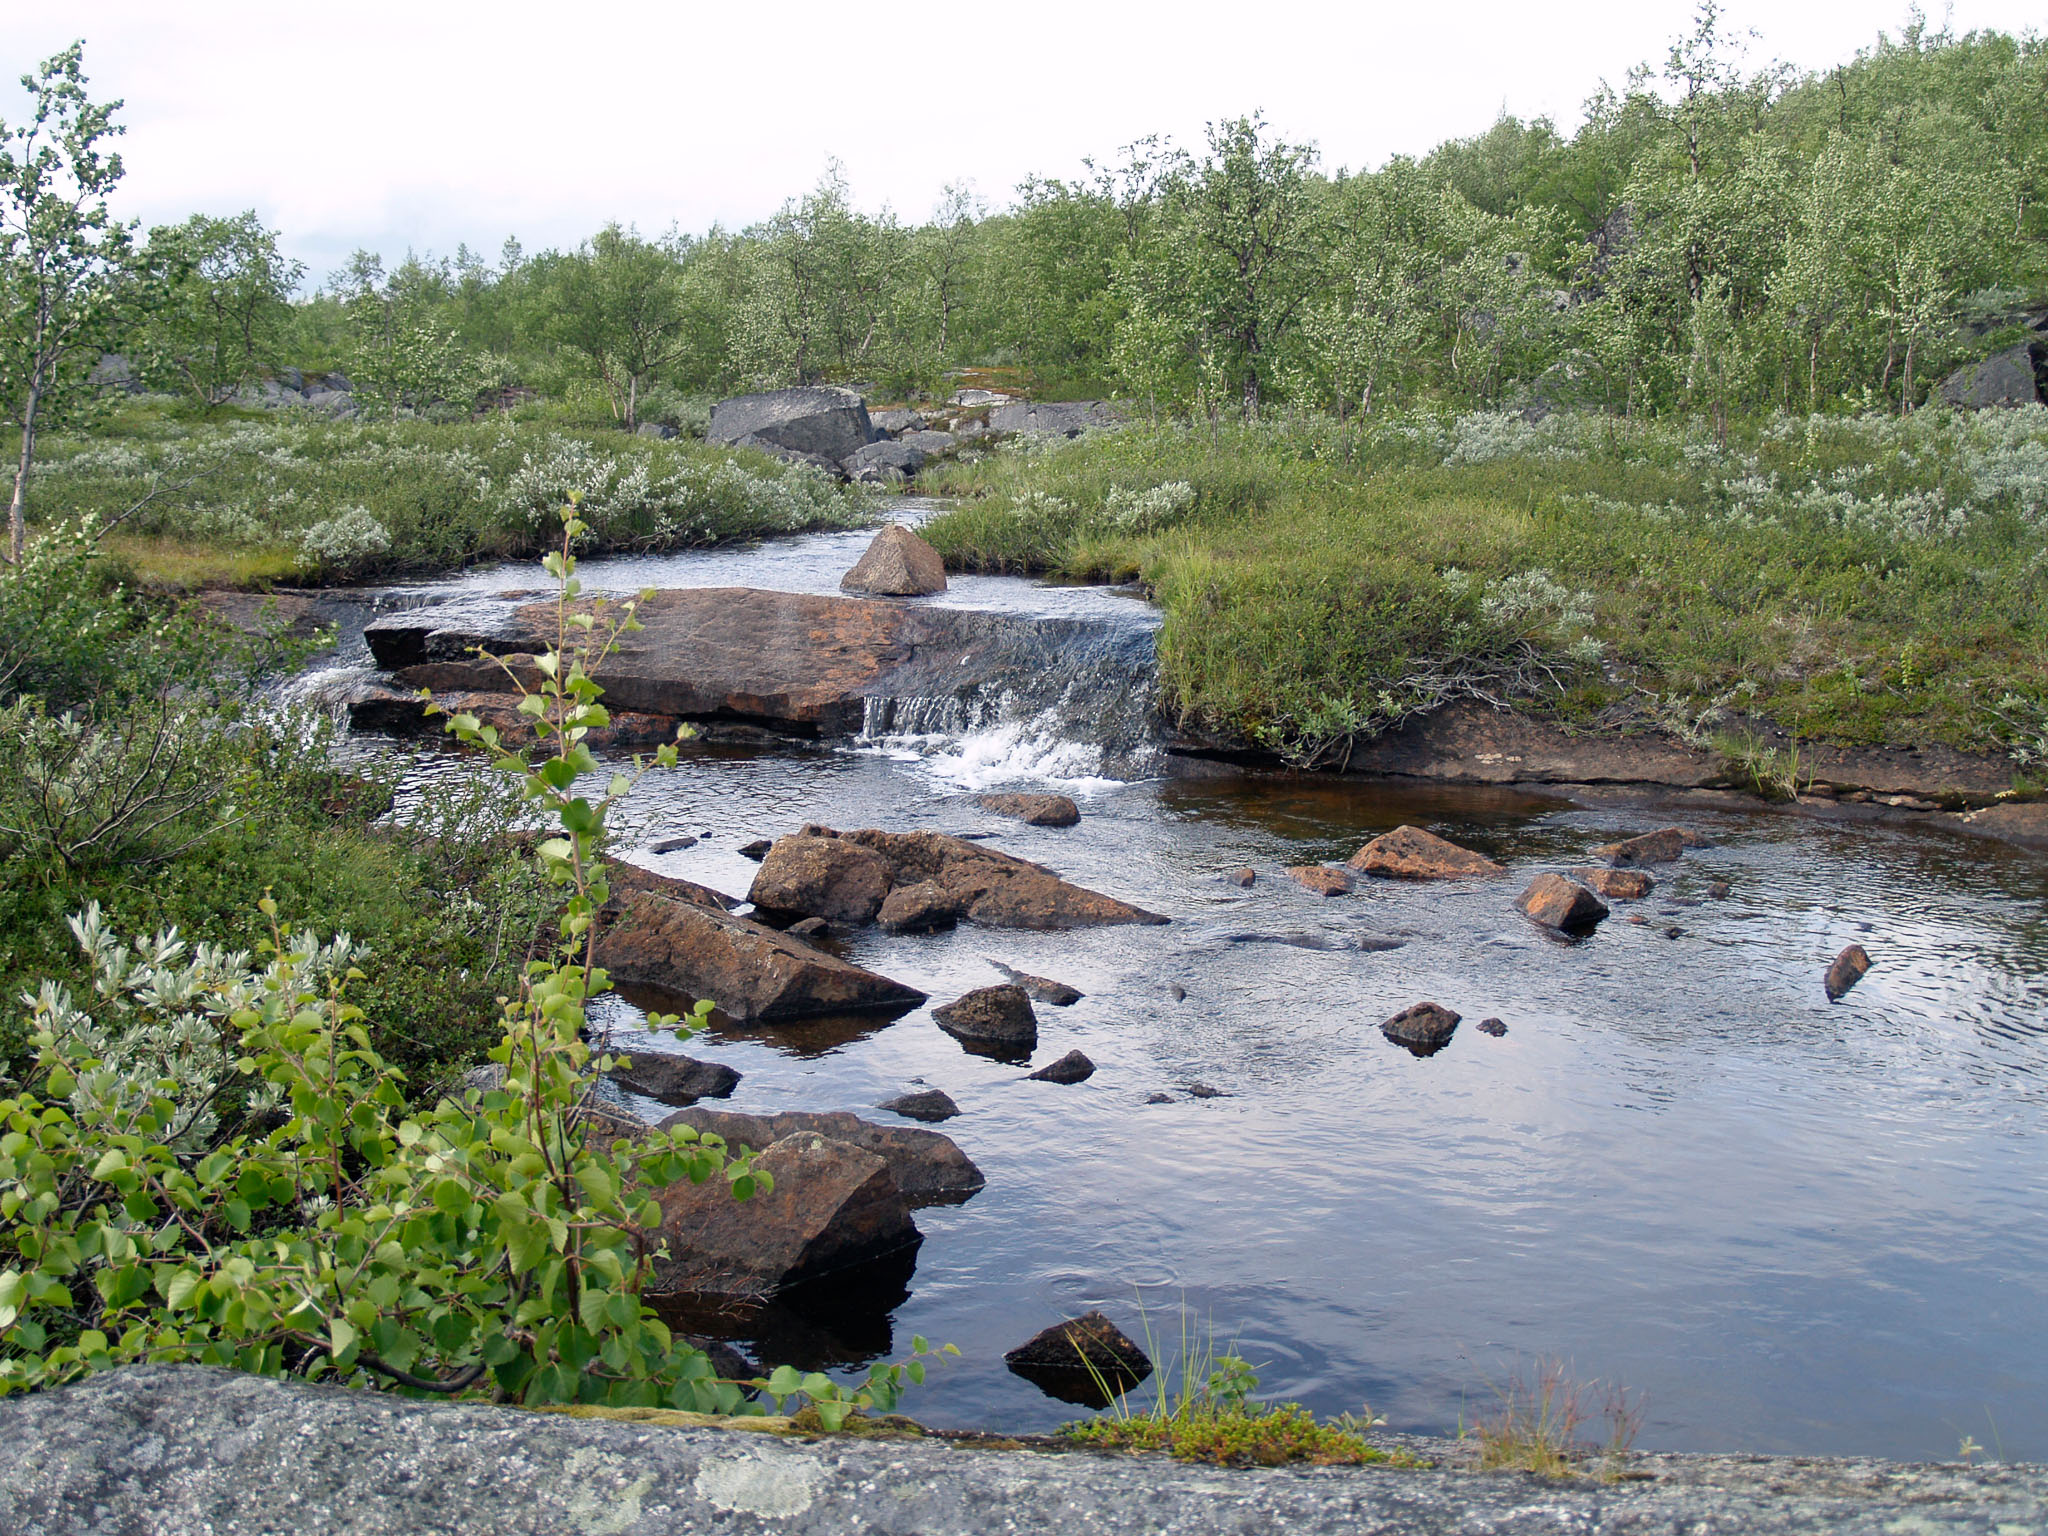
1789,1225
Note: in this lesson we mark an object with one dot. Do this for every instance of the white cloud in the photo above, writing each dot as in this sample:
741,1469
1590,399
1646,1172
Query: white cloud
394,125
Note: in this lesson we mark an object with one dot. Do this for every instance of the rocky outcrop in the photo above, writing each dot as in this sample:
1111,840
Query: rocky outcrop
401,712
792,662
1410,853
992,1021
674,1079
1074,1067
2008,378
164,1450
931,1105
882,463
833,1208
1563,904
895,423
931,444
748,969
1040,989
1033,810
802,877
928,1168
1848,968
896,564
819,420
1425,1028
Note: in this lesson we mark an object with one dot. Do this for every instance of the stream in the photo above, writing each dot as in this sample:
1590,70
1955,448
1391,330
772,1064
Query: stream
1782,1225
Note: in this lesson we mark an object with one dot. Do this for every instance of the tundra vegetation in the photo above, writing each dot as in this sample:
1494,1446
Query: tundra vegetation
1638,426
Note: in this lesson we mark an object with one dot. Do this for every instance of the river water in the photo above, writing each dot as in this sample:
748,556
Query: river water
1782,1225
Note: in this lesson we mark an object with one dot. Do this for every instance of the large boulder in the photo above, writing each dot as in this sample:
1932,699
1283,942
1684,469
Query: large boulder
889,459
1067,418
895,423
992,1021
800,878
834,1208
931,444
1409,853
746,968
897,563
338,403
928,1168
830,423
2007,378
1563,904
925,907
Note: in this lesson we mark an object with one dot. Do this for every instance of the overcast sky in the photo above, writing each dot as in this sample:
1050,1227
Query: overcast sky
418,125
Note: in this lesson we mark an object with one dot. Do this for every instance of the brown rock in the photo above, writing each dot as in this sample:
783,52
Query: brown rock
629,880
1616,884
1849,967
1562,904
1424,1028
1663,846
1074,1067
921,908
1077,1359
929,1104
673,1078
2024,823
1033,810
1039,988
928,1168
896,564
993,889
746,968
757,850
1494,1027
826,877
1409,853
1321,879
401,712
991,1021
1243,879
834,1207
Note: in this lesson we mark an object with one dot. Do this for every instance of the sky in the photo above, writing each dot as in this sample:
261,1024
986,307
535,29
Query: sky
417,126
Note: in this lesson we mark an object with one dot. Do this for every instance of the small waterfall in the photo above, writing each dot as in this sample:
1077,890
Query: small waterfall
1075,706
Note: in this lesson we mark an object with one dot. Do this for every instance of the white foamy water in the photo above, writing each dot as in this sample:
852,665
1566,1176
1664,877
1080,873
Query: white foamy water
1031,751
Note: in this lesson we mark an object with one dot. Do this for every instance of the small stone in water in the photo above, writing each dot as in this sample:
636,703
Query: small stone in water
757,850
930,1104
1492,1027
1158,1098
673,844
1243,878
1176,991
811,928
1719,890
1074,1067
1640,921
1849,967
1674,932
1203,1091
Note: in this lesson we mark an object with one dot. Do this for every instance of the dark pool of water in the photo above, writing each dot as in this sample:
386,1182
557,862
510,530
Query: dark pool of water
1784,1225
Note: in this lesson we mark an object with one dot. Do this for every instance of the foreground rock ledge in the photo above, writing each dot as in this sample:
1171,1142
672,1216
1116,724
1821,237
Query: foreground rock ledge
171,1450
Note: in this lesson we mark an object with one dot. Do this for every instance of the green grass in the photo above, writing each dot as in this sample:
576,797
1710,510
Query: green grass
251,498
1856,580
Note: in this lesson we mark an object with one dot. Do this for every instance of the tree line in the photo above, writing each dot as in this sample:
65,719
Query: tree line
1711,239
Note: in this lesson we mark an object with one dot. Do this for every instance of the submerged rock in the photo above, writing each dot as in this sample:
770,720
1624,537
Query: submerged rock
1074,1067
1409,853
1616,884
675,1079
928,1104
897,563
746,968
1040,989
1033,810
1562,904
1086,1360
1848,968
930,1169
1321,879
834,1207
992,1021
1664,846
1424,1028
847,875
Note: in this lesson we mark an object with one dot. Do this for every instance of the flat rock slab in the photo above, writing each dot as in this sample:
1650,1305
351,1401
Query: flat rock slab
746,968
789,661
166,1450
928,1168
